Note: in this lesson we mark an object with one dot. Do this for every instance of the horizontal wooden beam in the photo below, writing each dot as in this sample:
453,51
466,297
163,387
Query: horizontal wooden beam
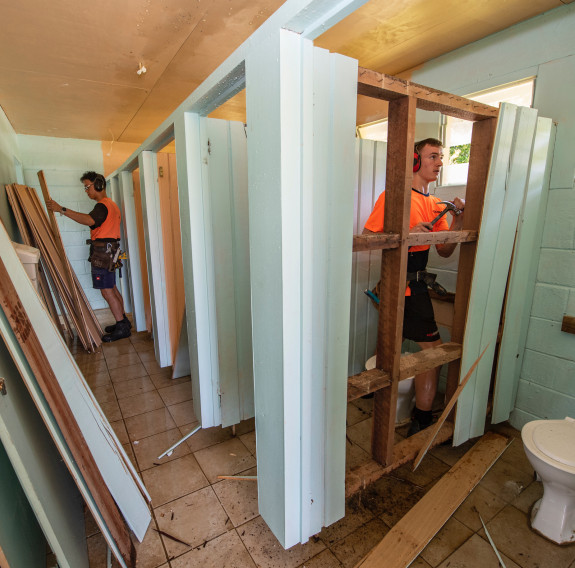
388,88
568,324
380,241
409,365
403,452
366,383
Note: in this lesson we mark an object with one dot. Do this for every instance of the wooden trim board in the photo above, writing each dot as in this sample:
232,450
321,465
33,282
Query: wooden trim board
403,543
379,241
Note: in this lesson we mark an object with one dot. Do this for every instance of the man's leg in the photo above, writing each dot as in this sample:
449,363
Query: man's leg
426,383
115,301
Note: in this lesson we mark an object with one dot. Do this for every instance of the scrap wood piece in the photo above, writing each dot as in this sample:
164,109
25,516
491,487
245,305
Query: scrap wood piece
239,477
433,431
404,542
491,542
36,357
403,452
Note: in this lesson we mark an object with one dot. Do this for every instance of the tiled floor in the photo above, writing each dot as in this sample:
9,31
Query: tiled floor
200,521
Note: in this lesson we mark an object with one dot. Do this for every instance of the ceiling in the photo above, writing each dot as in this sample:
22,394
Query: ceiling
68,68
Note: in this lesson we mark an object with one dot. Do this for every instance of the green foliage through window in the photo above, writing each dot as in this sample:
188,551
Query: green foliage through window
459,154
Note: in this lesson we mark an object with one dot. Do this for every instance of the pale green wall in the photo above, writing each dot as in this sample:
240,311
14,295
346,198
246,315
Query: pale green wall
8,151
63,161
544,48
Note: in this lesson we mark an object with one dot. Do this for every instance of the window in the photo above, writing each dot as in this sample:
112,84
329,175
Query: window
457,132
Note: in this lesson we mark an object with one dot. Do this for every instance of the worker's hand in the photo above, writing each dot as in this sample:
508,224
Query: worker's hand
459,203
421,227
53,206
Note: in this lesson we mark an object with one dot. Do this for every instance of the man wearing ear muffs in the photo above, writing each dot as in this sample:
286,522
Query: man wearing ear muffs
104,222
419,320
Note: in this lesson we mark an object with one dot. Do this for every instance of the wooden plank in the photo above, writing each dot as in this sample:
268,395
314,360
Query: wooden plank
393,270
366,382
568,324
482,139
44,373
391,240
361,476
403,543
523,274
388,88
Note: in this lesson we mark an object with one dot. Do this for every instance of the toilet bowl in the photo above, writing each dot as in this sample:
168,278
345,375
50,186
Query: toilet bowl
550,447
405,395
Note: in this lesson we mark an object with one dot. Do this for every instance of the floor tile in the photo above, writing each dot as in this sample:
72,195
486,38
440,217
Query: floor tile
183,413
506,481
91,367
117,348
127,373
514,537
176,393
130,453
111,410
449,454
164,379
146,356
143,347
228,458
104,393
140,403
365,404
355,456
245,426
527,498
355,415
239,498
174,479
356,515
325,559
430,469
148,449
267,552
476,553
124,360
98,379
194,519
149,423
360,434
133,387
120,430
390,498
350,550
98,552
150,552
480,502
515,455
249,441
207,437
152,367
446,541
225,550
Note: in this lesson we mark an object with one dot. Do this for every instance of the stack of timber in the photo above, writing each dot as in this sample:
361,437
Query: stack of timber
57,279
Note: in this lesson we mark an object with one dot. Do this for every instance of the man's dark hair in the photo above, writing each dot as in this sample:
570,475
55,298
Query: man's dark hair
98,180
418,147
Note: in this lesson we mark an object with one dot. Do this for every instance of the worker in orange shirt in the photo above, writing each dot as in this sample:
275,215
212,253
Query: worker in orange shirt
104,222
419,320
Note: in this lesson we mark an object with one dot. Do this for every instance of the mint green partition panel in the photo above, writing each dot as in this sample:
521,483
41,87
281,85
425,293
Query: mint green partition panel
301,167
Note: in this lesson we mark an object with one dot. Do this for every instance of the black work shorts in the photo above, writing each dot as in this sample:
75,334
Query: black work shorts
419,320
102,279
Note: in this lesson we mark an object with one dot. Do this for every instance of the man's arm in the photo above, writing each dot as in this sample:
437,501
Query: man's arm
82,218
447,249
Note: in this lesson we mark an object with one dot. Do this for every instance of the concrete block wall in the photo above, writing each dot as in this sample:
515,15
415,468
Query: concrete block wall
63,161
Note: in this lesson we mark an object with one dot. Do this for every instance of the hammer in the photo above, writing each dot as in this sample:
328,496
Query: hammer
449,206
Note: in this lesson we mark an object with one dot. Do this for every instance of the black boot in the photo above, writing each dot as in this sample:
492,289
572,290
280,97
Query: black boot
121,330
420,420
111,328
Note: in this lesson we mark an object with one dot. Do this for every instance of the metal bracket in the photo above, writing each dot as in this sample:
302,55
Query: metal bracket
2,386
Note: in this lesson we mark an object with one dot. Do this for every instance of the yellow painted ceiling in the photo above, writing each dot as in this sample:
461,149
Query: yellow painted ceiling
68,67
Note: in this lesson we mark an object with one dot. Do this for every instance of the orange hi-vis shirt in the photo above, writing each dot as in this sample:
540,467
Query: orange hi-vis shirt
110,228
424,209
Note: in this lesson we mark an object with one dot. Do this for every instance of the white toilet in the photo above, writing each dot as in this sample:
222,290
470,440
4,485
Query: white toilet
405,395
550,447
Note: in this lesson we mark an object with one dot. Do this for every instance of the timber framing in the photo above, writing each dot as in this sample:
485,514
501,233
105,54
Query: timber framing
404,98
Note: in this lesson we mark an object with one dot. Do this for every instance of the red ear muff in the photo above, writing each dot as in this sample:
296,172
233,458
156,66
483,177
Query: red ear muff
416,162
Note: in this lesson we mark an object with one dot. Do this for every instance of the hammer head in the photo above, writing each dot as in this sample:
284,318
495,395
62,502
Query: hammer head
450,206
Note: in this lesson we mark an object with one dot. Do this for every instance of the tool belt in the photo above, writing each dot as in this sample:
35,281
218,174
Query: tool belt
420,276
105,254
429,279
